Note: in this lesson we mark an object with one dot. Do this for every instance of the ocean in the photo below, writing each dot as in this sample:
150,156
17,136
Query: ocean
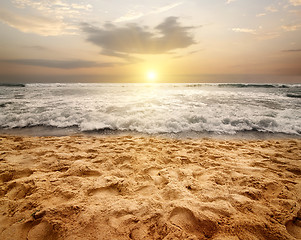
177,109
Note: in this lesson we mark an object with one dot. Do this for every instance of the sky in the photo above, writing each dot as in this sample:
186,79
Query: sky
129,40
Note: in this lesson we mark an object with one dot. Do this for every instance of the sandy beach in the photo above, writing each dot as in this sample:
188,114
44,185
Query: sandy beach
136,187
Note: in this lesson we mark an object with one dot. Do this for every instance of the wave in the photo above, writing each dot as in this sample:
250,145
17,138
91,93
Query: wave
248,85
4,104
161,126
151,110
292,95
240,85
12,85
200,125
192,85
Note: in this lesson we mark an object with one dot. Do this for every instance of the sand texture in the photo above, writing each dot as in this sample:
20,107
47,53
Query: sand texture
134,187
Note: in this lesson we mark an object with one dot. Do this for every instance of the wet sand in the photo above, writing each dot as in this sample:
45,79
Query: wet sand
137,187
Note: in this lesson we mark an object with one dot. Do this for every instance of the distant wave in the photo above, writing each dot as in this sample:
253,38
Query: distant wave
241,85
248,85
12,85
220,85
4,104
292,95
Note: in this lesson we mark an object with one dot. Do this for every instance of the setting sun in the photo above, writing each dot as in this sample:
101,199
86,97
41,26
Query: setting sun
151,75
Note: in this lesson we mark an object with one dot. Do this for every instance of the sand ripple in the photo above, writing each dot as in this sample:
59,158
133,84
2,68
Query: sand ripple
131,187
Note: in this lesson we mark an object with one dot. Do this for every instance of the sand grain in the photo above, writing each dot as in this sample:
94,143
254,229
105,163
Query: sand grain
131,187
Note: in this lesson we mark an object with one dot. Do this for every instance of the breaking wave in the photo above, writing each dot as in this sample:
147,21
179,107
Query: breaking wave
151,109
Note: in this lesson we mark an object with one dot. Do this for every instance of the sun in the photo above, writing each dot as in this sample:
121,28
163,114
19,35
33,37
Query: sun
151,75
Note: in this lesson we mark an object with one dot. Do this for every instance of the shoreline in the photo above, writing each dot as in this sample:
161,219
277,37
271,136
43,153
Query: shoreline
41,131
146,187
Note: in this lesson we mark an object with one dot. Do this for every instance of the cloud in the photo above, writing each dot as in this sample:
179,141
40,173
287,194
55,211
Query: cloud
258,34
295,2
44,17
271,9
244,30
166,8
37,47
129,58
267,35
296,12
134,39
292,50
230,1
55,8
62,64
188,54
291,27
86,7
35,24
133,14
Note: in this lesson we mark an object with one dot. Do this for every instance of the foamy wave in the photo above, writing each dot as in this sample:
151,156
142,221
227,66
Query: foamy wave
156,123
151,109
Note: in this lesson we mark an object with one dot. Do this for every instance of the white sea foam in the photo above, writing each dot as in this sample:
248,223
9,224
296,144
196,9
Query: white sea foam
162,108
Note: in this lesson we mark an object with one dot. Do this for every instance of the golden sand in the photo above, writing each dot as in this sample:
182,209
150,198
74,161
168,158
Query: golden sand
132,187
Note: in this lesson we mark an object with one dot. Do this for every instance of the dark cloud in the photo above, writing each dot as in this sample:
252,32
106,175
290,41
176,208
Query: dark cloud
68,64
292,50
124,56
189,53
37,47
134,39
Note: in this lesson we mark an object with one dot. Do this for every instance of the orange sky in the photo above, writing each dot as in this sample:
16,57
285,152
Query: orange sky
120,41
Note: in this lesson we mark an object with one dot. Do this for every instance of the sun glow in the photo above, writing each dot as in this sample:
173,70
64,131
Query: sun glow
151,76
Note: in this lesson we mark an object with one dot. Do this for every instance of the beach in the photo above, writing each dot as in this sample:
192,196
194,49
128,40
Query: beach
150,120
149,187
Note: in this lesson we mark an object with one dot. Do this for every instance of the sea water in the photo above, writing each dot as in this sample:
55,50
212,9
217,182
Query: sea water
153,108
